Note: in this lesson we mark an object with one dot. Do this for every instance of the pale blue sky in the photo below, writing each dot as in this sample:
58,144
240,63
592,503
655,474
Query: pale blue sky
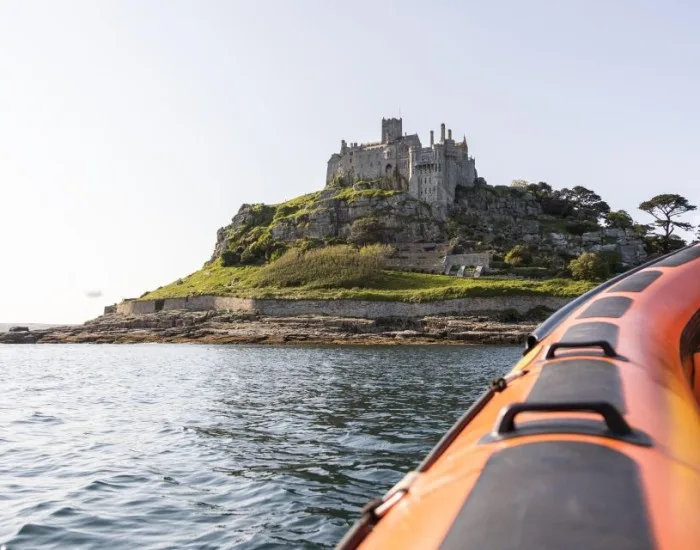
130,131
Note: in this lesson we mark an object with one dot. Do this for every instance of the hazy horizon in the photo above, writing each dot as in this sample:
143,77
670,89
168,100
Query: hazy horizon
130,132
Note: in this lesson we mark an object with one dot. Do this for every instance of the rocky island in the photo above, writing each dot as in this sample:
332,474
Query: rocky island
404,244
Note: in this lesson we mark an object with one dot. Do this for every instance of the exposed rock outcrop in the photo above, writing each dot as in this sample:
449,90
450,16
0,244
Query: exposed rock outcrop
228,328
328,216
483,217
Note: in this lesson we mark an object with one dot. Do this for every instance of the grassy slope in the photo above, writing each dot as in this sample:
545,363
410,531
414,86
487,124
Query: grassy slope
394,285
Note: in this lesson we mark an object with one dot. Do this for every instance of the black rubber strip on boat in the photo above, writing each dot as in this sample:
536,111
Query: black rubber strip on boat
683,257
690,345
573,380
545,328
553,495
593,331
637,282
612,307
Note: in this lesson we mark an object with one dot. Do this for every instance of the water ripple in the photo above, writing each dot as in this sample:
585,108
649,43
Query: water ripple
217,447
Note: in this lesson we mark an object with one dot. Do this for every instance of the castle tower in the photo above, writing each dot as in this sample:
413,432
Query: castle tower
392,129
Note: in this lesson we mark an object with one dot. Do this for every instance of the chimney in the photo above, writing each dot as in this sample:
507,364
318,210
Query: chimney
449,133
442,133
432,138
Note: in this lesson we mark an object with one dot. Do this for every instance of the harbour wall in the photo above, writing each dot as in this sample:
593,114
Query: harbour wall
342,308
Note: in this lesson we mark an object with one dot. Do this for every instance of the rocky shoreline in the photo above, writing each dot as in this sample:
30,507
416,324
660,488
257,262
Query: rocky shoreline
217,327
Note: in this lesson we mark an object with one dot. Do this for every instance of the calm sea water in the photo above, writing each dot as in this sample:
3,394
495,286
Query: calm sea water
187,446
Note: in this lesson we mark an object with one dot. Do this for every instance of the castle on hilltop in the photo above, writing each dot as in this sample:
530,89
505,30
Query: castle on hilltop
430,173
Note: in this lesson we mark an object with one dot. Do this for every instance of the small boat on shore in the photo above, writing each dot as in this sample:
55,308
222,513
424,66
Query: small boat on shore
592,441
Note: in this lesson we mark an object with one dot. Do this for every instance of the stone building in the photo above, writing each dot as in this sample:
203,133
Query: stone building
429,173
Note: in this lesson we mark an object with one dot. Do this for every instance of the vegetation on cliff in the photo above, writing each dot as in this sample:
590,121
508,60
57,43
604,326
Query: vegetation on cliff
340,272
332,244
339,266
665,209
261,232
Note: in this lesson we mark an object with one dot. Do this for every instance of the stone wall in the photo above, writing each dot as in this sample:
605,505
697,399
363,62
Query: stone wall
473,259
418,256
342,308
196,303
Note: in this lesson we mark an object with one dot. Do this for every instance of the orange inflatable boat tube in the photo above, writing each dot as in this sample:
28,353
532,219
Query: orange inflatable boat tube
591,442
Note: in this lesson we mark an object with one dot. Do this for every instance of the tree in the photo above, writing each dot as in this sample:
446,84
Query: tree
587,204
664,209
589,266
519,183
518,255
540,190
550,200
619,220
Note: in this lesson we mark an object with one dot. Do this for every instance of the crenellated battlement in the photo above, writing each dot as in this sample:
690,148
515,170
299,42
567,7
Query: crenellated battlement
428,173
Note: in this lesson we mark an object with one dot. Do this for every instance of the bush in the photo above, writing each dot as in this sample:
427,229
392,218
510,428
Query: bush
331,267
337,181
285,210
576,227
369,230
261,250
613,260
589,266
260,215
230,257
619,220
518,255
555,207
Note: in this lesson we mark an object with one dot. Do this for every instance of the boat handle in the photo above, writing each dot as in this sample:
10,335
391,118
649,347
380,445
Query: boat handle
607,348
613,419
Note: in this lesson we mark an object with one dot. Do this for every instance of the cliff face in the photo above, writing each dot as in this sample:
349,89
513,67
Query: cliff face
482,218
220,327
401,219
331,216
501,217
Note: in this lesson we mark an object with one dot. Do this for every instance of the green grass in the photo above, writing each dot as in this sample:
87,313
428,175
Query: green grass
339,266
299,206
306,204
253,241
351,194
244,282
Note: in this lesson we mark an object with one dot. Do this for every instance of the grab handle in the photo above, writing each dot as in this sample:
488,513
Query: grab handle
607,348
613,419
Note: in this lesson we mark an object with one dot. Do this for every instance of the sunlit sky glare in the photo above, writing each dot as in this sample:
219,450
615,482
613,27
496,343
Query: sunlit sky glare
131,130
